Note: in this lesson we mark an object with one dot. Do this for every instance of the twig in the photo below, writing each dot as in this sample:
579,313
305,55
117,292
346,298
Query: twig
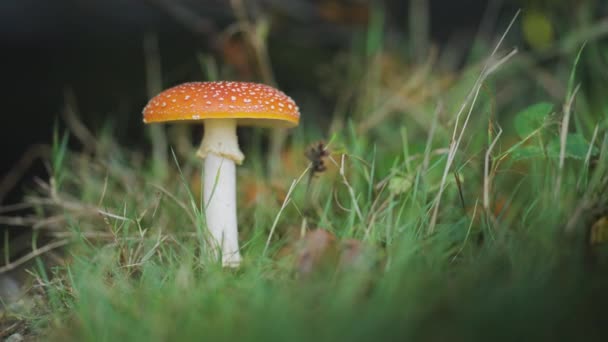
8,330
76,126
14,207
469,101
17,221
33,254
49,222
486,171
12,177
114,216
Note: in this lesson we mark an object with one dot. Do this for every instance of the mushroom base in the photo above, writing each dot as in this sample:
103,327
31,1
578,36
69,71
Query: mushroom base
220,208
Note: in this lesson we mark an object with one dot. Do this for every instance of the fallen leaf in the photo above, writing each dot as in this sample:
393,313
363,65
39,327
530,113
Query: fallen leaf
317,247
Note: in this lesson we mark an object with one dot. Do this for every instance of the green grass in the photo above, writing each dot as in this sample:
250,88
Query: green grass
502,254
137,269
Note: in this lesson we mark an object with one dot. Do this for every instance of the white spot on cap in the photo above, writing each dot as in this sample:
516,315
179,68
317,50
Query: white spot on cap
247,100
196,117
187,97
164,104
208,102
233,98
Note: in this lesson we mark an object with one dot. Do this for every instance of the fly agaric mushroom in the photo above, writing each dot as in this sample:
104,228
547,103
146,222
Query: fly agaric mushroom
221,106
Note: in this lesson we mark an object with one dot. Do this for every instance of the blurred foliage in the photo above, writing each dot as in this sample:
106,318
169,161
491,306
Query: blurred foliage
538,29
516,239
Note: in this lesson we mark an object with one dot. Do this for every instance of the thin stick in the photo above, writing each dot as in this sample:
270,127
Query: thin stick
33,254
15,207
11,179
17,221
76,126
469,101
486,171
114,216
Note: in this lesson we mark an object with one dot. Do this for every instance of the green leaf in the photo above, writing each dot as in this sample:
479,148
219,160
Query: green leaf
526,152
576,147
532,118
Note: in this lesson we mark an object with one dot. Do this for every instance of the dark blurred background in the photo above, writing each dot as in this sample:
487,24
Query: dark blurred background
90,53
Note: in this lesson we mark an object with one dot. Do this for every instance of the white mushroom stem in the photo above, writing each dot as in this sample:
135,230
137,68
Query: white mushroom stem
221,152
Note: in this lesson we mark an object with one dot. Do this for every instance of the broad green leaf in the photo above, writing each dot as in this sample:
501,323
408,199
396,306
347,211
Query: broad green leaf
531,118
526,152
576,147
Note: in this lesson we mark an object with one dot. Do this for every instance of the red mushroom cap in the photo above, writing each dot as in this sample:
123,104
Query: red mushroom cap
250,103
